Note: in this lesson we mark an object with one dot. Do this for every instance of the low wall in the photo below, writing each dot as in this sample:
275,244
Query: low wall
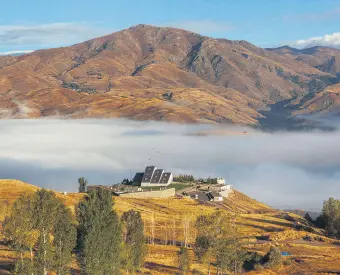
151,194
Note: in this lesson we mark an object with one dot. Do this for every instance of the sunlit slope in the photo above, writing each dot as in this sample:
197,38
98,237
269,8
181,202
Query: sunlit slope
168,214
259,225
10,190
241,203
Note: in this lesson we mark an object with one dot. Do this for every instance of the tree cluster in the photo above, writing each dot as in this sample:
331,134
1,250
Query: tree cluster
329,218
184,178
218,241
208,180
126,182
42,230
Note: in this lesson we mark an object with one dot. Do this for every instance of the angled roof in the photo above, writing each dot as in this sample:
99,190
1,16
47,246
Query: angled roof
157,175
149,170
138,177
165,177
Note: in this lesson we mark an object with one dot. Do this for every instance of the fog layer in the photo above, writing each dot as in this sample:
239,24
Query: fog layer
282,169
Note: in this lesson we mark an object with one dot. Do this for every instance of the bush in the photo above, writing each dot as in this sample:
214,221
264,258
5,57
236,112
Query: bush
253,259
273,258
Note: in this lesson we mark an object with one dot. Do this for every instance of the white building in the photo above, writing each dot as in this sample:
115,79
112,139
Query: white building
220,181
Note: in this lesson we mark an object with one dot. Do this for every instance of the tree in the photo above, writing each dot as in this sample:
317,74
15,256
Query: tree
308,218
331,217
203,248
64,241
183,260
218,239
230,256
210,228
18,229
34,225
99,238
186,221
82,185
46,211
135,248
320,222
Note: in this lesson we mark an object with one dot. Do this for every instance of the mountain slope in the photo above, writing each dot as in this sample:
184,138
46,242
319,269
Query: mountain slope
131,74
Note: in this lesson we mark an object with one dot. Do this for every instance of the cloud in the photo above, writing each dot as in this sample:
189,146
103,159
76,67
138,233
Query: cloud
283,169
201,26
321,16
328,40
46,35
19,52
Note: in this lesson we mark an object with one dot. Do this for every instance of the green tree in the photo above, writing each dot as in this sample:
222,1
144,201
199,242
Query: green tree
64,241
135,247
99,237
210,228
331,215
218,239
18,229
34,223
203,248
46,211
230,256
82,185
183,260
308,218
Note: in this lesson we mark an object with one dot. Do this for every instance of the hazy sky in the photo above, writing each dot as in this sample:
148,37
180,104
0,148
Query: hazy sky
30,25
283,169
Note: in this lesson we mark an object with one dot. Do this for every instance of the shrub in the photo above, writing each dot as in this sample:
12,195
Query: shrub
253,259
273,258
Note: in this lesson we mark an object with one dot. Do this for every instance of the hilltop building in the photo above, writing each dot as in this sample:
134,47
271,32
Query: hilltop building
220,181
153,177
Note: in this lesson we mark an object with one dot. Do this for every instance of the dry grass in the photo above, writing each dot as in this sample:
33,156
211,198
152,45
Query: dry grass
254,219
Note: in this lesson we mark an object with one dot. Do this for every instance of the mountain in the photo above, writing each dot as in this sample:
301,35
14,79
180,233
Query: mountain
327,101
324,59
153,73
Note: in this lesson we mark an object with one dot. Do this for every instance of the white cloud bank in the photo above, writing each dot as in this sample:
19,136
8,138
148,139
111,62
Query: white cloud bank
328,40
46,35
16,52
282,169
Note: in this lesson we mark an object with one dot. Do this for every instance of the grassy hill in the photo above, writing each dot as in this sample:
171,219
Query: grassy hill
260,226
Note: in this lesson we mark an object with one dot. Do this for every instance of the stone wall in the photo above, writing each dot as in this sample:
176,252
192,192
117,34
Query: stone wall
151,194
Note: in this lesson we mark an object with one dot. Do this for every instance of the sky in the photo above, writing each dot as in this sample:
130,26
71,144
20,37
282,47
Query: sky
297,170
36,24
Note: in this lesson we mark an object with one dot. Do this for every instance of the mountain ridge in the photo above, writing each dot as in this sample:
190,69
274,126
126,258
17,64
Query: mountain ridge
130,73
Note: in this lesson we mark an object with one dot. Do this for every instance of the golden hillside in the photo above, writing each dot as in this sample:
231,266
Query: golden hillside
325,101
260,226
127,73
